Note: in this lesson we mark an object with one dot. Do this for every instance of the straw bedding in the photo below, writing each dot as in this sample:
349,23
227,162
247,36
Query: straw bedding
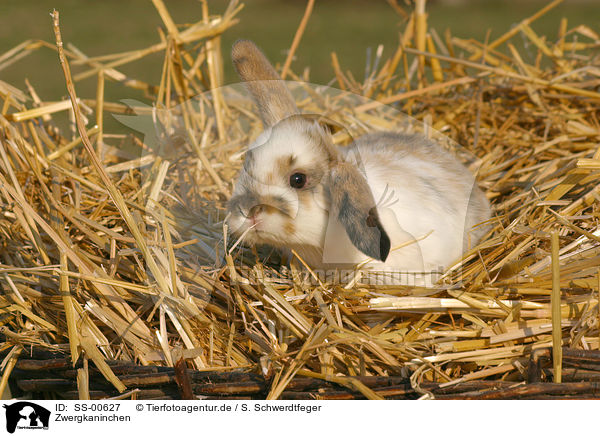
109,260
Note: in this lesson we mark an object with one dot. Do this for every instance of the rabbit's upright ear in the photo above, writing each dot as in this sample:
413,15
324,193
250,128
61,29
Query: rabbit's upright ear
270,94
353,204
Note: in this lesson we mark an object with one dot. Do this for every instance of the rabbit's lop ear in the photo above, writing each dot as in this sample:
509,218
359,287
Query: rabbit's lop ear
269,92
353,204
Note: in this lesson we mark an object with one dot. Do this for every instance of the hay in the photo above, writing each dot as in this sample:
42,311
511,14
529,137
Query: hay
103,255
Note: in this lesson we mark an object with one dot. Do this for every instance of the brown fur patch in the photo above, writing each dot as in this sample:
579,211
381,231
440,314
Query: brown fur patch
305,199
284,164
289,227
271,178
268,209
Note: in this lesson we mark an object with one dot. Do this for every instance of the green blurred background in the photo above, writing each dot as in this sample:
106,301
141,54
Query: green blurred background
348,27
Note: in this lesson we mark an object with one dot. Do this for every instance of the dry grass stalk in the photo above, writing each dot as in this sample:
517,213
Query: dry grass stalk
420,35
297,37
8,365
83,381
556,315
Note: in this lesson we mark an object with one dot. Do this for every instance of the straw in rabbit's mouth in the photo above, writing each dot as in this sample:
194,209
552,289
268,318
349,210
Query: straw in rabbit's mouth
252,234
243,237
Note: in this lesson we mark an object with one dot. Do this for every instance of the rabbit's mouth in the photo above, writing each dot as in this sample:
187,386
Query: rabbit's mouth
260,228
259,236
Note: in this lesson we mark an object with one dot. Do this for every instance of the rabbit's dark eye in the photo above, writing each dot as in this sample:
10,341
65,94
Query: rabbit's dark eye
298,180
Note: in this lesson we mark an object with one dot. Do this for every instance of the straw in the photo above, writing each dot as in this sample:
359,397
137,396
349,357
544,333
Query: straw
297,37
117,252
556,315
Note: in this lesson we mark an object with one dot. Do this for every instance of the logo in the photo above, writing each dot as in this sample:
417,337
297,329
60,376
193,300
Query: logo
26,415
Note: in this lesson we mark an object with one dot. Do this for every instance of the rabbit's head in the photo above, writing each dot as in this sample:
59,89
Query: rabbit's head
293,176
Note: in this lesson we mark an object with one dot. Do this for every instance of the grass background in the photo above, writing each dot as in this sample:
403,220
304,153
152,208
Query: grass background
348,27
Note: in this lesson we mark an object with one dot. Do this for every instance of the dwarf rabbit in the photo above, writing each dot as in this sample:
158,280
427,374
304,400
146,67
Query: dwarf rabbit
397,199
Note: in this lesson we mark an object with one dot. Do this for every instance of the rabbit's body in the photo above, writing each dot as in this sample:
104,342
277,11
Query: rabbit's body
427,201
398,199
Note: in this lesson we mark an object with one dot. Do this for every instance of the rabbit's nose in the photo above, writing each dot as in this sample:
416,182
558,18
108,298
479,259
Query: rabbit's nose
255,210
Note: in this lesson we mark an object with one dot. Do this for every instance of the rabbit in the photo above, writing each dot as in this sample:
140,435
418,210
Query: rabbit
394,202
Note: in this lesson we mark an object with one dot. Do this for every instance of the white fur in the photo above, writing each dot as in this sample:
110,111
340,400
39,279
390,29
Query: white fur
423,205
427,202
310,222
